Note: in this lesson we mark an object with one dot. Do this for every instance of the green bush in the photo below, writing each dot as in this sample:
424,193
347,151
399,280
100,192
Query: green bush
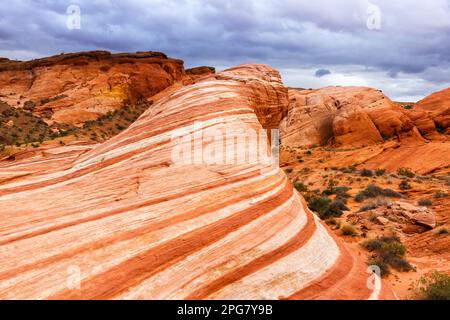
373,191
388,252
300,187
335,224
404,185
380,263
331,188
334,209
366,173
325,207
425,202
406,172
318,204
380,172
433,287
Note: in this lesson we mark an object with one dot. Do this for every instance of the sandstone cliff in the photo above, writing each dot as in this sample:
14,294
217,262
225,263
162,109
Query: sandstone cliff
74,88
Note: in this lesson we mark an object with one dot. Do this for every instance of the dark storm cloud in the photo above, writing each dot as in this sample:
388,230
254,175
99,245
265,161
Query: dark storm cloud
413,37
321,72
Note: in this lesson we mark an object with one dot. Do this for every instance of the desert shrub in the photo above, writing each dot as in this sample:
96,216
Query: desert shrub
289,170
374,204
395,248
300,187
380,263
349,230
330,188
380,172
391,193
443,231
433,287
425,202
318,204
373,191
325,207
404,185
388,252
406,172
349,169
372,217
366,173
332,222
342,194
29,105
440,195
408,107
334,209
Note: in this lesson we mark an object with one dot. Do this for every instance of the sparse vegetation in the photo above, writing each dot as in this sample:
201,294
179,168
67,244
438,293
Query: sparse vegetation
20,126
388,251
380,172
366,173
406,172
333,223
300,187
425,202
440,195
404,185
374,204
374,191
435,286
349,230
325,207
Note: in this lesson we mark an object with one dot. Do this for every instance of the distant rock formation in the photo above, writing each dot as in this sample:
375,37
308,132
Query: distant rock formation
437,107
344,116
123,220
77,87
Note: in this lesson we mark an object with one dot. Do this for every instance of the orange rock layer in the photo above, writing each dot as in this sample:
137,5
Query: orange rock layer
74,88
349,117
123,220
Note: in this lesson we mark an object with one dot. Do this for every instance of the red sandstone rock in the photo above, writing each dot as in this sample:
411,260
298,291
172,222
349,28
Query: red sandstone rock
437,106
353,116
73,88
124,220
352,127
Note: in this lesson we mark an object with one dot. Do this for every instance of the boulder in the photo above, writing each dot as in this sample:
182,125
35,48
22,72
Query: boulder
415,214
437,106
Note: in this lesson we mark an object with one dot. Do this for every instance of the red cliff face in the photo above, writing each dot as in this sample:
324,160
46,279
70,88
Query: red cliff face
74,88
124,220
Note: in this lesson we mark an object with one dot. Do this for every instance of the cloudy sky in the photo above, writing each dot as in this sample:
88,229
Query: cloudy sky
401,47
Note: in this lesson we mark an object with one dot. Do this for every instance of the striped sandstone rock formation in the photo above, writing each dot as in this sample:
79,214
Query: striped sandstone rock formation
123,220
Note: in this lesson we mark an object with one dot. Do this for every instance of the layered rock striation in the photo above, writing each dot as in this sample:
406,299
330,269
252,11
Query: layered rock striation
127,220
